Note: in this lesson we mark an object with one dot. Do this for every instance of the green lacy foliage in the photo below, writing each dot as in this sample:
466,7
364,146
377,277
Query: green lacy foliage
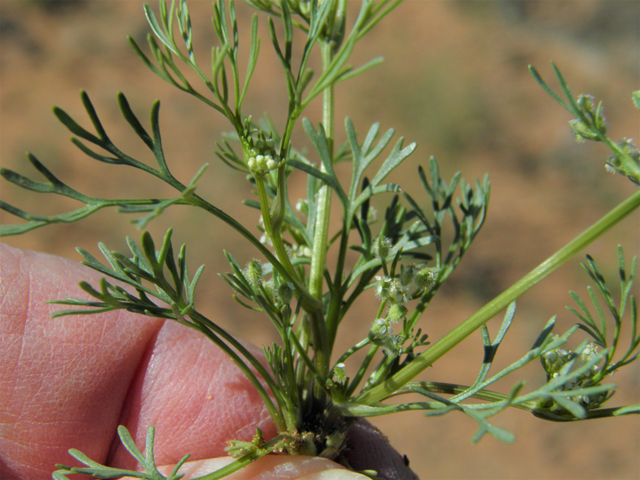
404,257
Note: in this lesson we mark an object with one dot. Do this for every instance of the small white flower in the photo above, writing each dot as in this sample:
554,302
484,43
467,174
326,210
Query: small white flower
382,287
399,293
381,328
265,240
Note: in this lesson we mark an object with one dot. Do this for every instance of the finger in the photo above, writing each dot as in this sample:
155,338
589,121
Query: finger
90,374
271,467
63,380
194,395
71,381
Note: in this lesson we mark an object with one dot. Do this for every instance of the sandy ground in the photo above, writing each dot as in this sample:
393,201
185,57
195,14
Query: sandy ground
454,80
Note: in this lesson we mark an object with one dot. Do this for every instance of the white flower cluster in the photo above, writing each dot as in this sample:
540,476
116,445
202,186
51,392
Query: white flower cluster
381,327
381,333
262,164
301,251
554,360
392,290
396,290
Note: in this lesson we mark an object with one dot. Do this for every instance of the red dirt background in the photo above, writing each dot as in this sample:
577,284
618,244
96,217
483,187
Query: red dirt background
455,80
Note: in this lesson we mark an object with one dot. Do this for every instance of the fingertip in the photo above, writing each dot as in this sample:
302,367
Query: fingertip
271,467
335,474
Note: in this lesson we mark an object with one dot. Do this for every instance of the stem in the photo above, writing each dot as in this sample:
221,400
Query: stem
492,308
321,232
308,302
245,460
455,389
321,235
335,313
272,232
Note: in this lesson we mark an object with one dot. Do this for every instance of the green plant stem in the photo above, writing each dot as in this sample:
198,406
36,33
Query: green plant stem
321,232
308,302
482,316
455,389
272,233
312,306
245,460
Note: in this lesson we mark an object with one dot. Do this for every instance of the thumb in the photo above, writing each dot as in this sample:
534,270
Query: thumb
270,467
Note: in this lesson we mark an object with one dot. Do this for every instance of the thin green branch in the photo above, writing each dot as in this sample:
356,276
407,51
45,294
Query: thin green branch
492,308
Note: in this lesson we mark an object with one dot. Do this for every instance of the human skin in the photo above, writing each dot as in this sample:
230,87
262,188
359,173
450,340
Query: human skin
69,382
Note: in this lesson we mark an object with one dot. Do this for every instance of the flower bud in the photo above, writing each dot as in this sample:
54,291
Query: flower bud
626,163
425,279
582,131
585,103
253,271
406,274
338,373
381,247
285,292
393,345
396,312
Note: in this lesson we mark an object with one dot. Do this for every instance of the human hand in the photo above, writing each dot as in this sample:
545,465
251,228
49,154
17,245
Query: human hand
69,382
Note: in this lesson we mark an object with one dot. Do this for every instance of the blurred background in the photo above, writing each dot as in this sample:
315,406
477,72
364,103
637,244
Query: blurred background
455,80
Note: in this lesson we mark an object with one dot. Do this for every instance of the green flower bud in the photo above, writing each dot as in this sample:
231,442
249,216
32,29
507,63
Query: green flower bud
381,247
338,373
596,123
585,103
425,279
269,290
407,273
393,345
588,353
253,271
285,293
582,131
554,360
626,164
396,312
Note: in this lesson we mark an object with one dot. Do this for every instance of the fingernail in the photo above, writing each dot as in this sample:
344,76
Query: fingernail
335,474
